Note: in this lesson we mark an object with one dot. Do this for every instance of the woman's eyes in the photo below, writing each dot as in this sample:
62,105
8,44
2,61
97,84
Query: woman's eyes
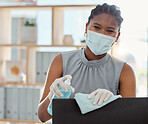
110,31
96,27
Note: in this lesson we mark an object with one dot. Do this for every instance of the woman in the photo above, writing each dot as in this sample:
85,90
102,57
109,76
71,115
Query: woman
91,69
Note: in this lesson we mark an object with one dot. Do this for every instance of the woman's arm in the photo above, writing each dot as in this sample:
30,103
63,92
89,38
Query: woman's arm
55,71
127,82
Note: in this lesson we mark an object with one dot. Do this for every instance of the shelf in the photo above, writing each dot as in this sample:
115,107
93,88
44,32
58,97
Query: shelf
34,45
46,6
20,84
57,16
31,50
21,121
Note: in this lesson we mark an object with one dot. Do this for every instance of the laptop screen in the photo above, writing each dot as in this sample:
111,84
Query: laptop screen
120,111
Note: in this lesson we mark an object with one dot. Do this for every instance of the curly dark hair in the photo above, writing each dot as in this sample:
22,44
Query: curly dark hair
108,9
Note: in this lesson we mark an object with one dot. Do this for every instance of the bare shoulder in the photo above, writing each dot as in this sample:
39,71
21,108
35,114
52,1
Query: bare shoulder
127,82
126,71
55,71
56,62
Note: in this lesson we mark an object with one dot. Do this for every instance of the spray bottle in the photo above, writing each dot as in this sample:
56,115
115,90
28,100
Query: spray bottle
65,94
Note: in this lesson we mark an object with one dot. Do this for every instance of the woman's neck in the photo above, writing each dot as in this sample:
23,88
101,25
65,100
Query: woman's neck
91,56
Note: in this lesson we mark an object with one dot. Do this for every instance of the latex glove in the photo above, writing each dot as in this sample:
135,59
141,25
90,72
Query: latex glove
54,89
101,95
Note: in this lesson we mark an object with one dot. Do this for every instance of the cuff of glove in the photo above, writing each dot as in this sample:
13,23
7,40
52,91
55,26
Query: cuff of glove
50,96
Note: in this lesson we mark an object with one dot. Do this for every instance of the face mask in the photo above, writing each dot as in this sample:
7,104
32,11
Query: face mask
99,43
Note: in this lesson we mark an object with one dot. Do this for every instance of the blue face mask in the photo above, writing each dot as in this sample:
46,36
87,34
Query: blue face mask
99,43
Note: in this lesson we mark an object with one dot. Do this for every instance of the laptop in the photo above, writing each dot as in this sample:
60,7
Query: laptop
120,111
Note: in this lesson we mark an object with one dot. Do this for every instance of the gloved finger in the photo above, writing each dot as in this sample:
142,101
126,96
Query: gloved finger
66,77
111,93
72,89
107,97
57,91
53,91
97,98
63,86
91,95
103,96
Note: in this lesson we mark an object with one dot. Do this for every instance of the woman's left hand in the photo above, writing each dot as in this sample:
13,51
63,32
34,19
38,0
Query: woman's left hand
101,95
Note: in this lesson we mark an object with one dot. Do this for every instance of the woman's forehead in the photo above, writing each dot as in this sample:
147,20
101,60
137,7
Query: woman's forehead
105,20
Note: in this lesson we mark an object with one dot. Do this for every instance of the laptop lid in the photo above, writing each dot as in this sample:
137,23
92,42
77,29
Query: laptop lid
120,111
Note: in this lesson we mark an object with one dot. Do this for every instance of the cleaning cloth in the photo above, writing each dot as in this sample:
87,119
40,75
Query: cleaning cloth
86,105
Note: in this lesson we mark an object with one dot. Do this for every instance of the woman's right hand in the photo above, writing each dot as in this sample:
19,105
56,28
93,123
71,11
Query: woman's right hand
54,89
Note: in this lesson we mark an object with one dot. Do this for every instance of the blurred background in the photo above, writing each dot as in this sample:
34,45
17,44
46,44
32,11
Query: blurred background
33,31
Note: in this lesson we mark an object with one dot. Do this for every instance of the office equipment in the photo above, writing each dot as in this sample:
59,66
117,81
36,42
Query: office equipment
36,99
15,103
9,91
39,64
121,111
47,59
22,103
2,102
43,61
29,104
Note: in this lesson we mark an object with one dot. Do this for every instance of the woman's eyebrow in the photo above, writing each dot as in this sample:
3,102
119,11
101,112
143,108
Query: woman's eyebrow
97,24
111,28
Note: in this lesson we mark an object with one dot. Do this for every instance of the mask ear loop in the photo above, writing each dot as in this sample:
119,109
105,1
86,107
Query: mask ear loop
85,34
114,43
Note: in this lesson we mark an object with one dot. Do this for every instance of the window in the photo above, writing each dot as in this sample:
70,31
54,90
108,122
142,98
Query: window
133,44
